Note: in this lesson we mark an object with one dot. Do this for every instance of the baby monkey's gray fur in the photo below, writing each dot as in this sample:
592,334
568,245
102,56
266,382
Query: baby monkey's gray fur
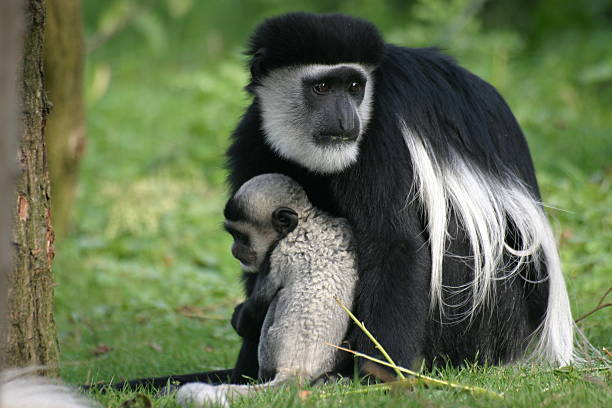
308,268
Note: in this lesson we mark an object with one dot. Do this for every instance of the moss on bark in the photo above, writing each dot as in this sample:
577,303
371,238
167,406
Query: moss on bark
31,328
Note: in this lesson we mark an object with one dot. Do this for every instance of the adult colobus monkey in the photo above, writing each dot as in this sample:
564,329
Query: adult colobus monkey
456,258
426,161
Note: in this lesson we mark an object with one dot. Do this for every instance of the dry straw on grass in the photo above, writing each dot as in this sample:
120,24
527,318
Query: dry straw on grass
400,370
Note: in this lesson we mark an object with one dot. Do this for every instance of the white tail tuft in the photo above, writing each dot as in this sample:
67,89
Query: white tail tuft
19,390
484,206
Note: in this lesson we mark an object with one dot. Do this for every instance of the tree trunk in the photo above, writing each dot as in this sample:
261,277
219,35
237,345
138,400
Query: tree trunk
31,332
11,42
65,130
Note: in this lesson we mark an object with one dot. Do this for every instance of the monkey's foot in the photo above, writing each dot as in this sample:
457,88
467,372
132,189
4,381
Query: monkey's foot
197,395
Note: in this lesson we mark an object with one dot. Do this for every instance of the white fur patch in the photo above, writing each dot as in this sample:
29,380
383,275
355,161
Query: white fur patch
194,395
200,395
19,390
286,128
483,205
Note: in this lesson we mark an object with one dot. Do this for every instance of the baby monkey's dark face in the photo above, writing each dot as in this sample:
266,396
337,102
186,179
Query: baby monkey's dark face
251,243
255,238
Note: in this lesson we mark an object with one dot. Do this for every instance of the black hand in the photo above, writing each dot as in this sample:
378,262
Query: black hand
247,320
236,316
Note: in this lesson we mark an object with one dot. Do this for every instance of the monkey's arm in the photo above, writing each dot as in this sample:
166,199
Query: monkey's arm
249,316
248,319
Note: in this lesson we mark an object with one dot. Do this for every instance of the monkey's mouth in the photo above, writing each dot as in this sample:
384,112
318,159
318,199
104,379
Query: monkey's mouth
246,267
326,139
248,262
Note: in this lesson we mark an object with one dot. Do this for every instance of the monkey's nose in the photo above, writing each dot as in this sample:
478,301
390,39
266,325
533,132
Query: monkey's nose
346,115
349,127
342,124
346,121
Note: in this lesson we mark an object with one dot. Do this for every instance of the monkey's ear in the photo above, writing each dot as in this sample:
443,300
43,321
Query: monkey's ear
284,220
257,68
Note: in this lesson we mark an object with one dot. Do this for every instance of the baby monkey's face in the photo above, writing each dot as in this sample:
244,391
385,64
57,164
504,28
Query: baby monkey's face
251,243
254,239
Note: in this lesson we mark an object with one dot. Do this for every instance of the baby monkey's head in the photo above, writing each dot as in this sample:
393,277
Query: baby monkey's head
263,211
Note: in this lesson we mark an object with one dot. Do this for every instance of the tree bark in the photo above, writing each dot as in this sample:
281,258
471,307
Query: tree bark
11,43
31,332
65,130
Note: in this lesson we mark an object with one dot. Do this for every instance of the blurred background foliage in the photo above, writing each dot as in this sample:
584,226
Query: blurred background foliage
146,281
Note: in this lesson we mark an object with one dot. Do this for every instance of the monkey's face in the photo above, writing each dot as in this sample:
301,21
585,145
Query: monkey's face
315,115
254,239
251,243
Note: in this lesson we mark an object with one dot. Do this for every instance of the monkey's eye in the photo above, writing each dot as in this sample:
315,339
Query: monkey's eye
321,88
237,235
240,237
354,87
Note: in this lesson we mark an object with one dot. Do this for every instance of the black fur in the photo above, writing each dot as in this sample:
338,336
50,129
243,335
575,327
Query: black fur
455,111
234,211
299,39
169,382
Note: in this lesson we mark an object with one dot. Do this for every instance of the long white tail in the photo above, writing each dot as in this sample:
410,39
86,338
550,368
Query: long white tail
20,390
485,206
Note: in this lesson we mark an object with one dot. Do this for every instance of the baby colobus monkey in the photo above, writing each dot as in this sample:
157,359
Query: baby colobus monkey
305,259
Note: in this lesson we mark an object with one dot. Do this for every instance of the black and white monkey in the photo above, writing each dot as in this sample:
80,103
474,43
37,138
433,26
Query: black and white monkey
304,260
425,160
456,258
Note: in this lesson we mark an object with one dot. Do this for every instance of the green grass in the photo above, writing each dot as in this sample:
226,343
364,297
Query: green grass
147,250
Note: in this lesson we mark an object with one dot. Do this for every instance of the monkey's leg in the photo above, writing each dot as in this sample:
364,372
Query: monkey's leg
247,365
246,368
392,296
158,383
198,395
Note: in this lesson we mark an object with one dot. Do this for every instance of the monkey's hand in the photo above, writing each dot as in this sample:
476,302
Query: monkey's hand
247,320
